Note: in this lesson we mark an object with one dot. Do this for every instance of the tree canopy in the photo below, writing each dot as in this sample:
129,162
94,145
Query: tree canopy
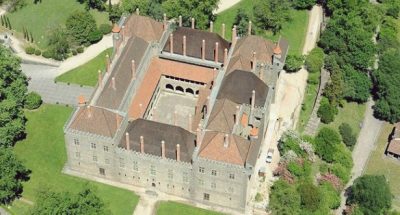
326,144
80,25
271,14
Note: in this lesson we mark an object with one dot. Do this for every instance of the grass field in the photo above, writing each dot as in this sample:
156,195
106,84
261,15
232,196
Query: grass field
170,208
43,152
41,18
379,164
351,113
86,74
294,31
308,102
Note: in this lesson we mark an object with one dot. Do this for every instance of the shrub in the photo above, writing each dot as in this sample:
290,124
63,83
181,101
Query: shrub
30,50
293,63
80,26
331,196
258,197
315,60
74,52
310,196
342,172
327,111
326,144
80,49
47,54
33,101
347,135
38,52
105,28
95,36
299,170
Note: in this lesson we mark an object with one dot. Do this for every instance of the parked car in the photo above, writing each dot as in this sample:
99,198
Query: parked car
270,153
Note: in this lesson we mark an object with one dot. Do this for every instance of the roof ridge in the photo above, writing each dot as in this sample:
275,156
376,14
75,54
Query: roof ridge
107,123
237,148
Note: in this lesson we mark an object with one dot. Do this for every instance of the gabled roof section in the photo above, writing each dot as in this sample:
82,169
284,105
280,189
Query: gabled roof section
194,38
238,85
222,117
144,27
96,120
122,72
213,147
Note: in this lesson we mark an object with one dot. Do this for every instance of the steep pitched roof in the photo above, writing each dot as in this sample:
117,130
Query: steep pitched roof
122,72
96,120
238,86
155,132
213,148
144,27
194,38
222,117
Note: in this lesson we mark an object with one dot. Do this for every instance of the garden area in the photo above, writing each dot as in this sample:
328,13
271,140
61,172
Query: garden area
86,74
43,152
169,207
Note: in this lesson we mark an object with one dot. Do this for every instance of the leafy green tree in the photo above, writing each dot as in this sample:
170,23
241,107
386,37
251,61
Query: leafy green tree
289,142
114,13
326,144
242,22
310,196
58,44
284,199
293,63
270,15
357,85
372,194
85,202
388,35
12,174
315,60
347,135
326,111
80,25
33,101
331,197
303,4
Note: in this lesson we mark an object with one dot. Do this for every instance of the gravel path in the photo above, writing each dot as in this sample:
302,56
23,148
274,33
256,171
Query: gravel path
3,211
225,4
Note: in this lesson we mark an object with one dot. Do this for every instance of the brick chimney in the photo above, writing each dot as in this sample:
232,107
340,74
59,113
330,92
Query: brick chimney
249,28
178,152
223,30
211,26
171,43
254,63
128,146
184,45
133,70
113,83
203,50
234,36
137,11
141,144
253,100
89,110
226,141
108,63
237,115
192,23
180,21
216,52
81,100
162,148
225,57
100,77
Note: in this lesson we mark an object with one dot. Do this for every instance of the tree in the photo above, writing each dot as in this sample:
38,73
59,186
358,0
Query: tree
357,85
326,144
315,60
242,22
114,13
347,135
94,4
303,4
372,194
12,174
85,202
58,44
80,25
284,199
33,101
270,15
293,63
326,111
310,196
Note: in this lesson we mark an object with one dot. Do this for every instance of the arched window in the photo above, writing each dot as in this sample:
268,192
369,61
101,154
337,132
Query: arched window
197,92
169,87
189,90
180,89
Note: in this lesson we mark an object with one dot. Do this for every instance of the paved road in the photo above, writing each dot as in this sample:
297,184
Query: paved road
365,144
42,82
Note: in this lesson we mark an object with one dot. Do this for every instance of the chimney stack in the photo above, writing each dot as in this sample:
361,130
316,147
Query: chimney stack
133,70
162,148
81,100
141,144
184,45
203,50
234,36
237,115
108,63
113,83
128,146
254,61
216,52
171,43
211,26
137,11
226,141
253,100
190,123
178,152
223,30
165,21
180,21
198,137
249,28
225,57
192,23
100,79
89,109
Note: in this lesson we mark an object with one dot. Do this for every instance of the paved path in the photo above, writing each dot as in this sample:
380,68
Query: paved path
42,82
225,4
3,211
365,144
146,205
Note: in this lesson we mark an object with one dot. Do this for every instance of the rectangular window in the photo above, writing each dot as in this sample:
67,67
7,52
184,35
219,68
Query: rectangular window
77,154
94,158
102,171
152,170
170,174
214,172
231,176
105,148
76,141
185,177
213,185
121,163
206,196
93,145
135,166
201,169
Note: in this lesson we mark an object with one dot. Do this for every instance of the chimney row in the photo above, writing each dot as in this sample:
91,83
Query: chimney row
180,21
203,50
178,152
216,52
192,23
141,144
128,146
162,148
171,43
184,45
211,26
133,70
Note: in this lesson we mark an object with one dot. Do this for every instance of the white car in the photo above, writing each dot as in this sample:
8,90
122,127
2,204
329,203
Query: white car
270,153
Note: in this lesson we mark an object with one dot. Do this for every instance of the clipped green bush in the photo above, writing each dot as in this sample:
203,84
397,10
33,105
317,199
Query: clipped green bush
105,28
47,54
33,101
327,111
347,135
30,50
80,49
74,52
95,36
38,52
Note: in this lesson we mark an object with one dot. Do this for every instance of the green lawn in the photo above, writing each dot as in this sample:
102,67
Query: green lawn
308,102
379,164
294,31
18,207
41,18
43,152
171,208
351,113
87,74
